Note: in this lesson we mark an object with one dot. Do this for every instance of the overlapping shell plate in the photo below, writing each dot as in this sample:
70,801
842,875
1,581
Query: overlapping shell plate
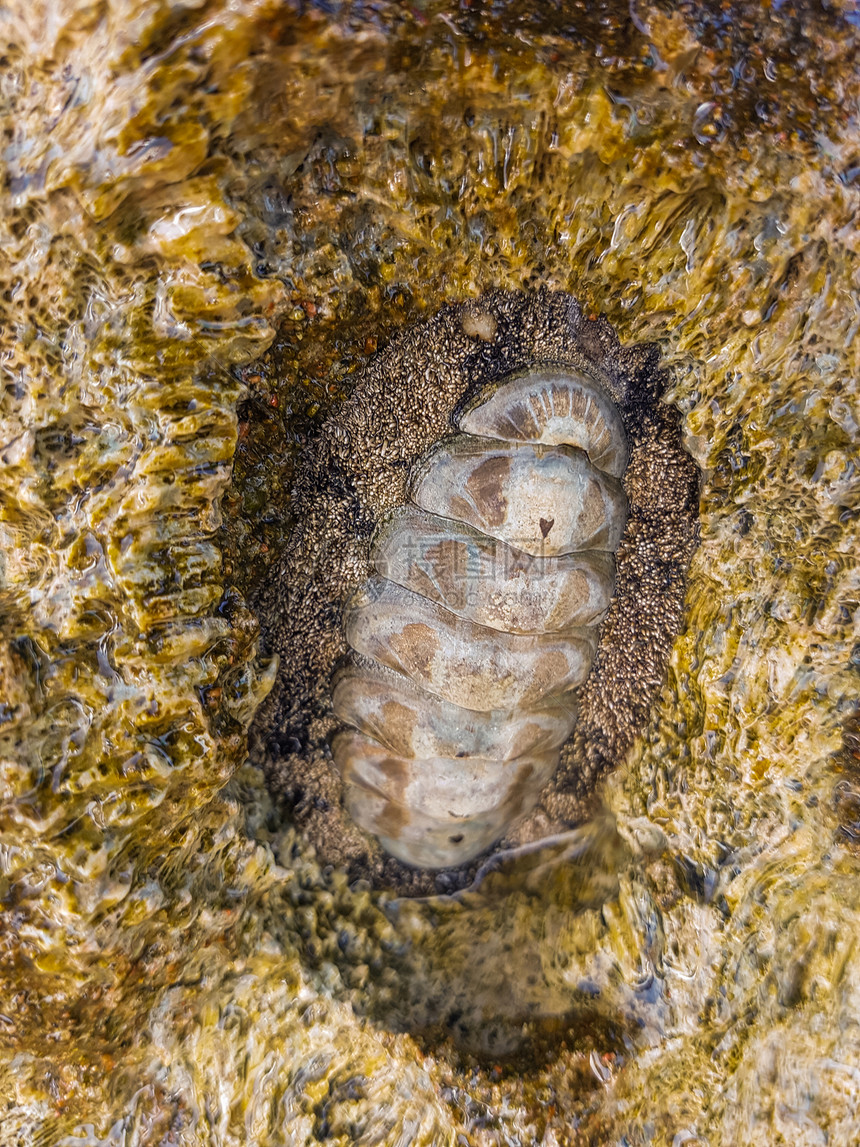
481,618
479,592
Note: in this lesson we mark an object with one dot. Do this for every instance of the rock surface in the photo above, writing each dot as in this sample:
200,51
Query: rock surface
185,186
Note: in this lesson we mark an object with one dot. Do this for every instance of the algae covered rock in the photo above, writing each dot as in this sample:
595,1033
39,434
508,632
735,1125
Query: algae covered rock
213,216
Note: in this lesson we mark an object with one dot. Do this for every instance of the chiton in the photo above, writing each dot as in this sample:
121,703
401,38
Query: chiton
477,600
488,590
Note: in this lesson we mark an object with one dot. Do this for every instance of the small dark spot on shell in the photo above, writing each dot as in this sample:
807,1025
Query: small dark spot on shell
546,526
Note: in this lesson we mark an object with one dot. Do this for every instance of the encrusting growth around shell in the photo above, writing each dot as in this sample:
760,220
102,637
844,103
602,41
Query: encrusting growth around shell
482,618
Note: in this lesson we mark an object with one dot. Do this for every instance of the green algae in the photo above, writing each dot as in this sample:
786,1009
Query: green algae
187,187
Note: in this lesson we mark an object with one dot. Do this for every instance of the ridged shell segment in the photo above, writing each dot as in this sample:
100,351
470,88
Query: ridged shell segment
422,809
488,581
471,665
390,708
546,500
554,406
481,618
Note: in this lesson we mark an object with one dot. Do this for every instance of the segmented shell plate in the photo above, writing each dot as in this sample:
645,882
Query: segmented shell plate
487,581
481,620
546,500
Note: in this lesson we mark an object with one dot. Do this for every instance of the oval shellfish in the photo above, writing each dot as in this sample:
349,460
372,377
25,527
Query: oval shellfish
452,562
480,619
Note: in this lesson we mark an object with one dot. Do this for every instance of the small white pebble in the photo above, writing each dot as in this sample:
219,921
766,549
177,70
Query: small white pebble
479,326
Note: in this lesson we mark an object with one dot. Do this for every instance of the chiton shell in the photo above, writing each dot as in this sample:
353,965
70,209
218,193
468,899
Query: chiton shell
477,600
489,588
